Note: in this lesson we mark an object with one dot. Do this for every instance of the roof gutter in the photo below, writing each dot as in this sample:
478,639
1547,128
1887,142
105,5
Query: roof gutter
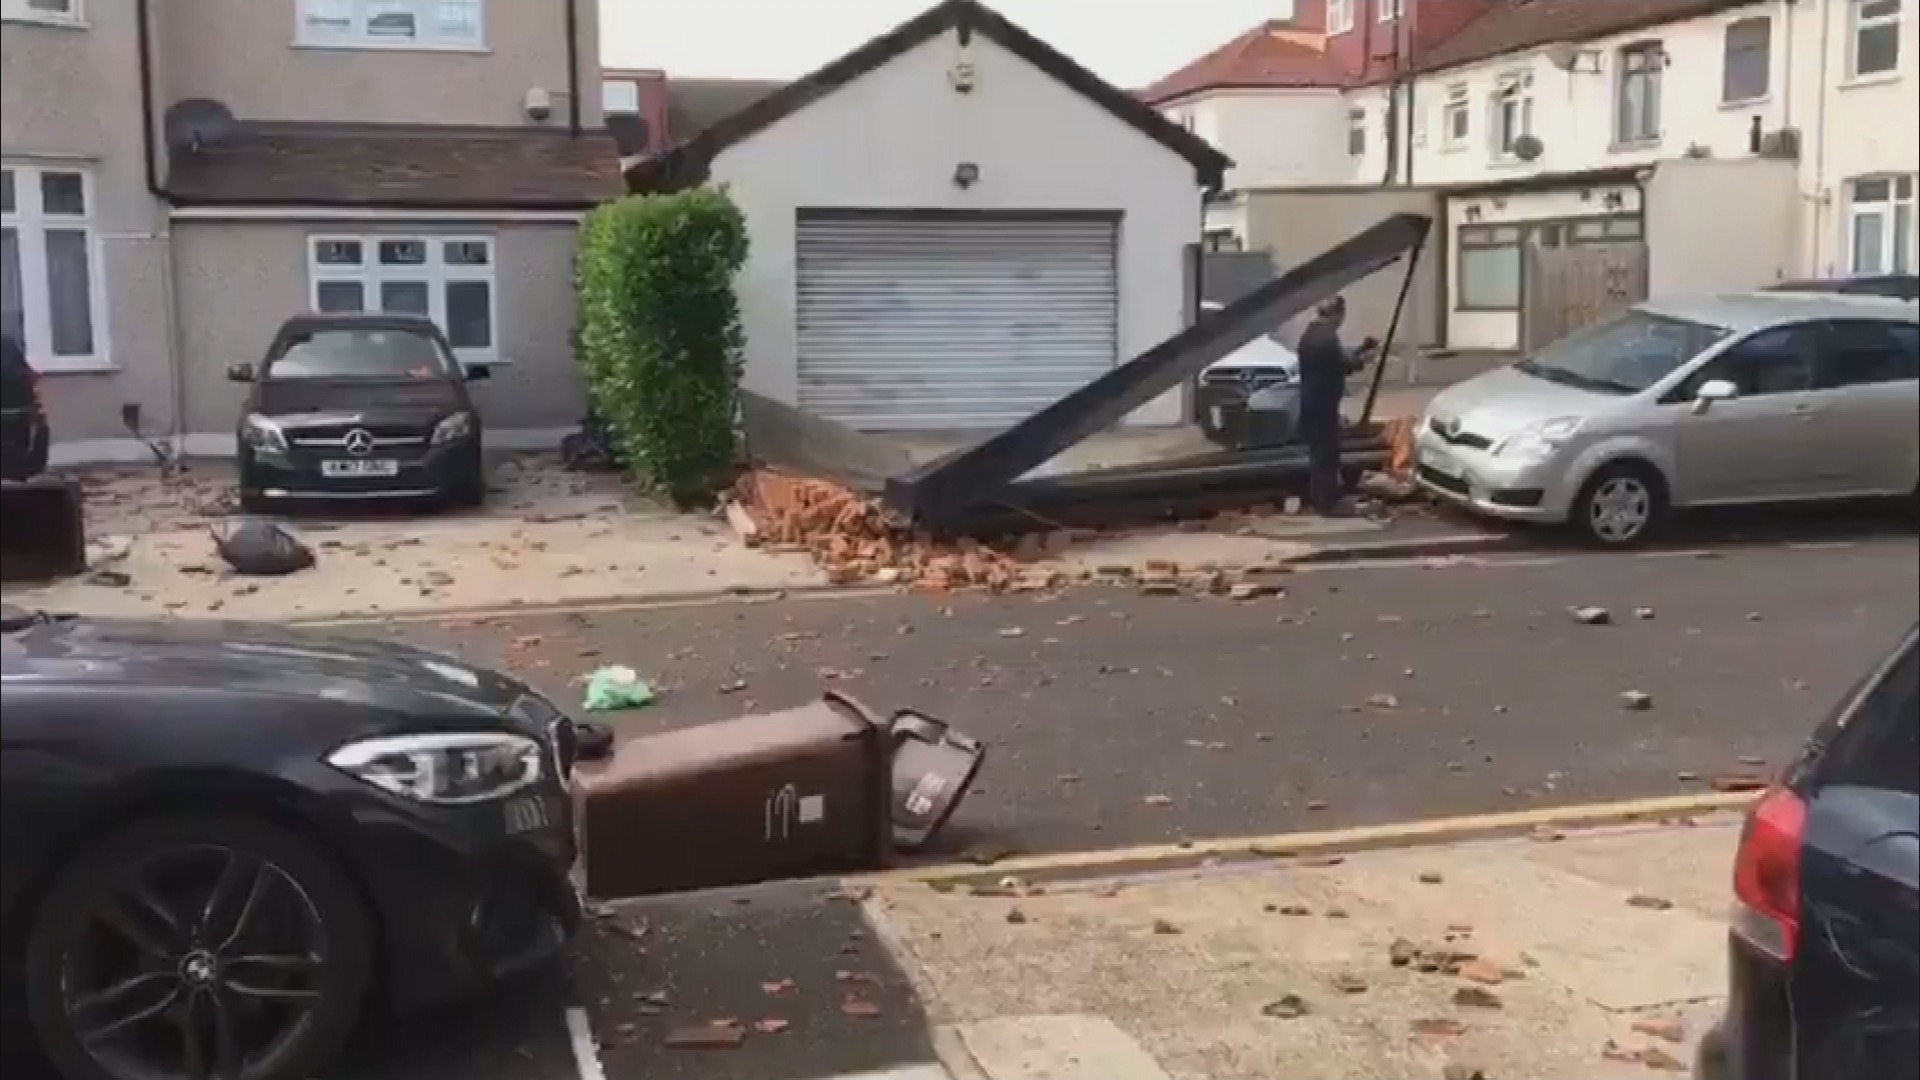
575,125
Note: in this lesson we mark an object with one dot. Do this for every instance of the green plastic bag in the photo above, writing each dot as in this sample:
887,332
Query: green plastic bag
617,687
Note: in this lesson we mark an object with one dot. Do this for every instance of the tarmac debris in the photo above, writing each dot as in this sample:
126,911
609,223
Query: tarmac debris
1636,700
1648,902
1592,616
1286,1007
1665,1028
1477,997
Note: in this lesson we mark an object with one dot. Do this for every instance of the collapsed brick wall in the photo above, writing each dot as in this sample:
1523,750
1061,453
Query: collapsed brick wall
856,540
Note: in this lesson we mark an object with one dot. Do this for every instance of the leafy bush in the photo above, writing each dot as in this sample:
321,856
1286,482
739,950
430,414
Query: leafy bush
660,337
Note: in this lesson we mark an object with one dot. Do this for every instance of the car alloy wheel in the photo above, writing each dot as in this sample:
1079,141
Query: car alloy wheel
197,958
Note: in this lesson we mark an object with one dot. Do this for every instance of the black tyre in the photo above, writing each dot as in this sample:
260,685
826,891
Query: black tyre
1621,505
469,490
214,948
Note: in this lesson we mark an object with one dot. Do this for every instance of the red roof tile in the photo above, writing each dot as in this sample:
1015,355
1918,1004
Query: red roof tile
1516,25
1259,59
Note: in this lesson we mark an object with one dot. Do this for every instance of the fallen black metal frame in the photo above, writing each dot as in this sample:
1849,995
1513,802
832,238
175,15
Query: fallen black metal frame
977,490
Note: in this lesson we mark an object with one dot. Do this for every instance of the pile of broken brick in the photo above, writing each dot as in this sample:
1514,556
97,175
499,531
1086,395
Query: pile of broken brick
857,541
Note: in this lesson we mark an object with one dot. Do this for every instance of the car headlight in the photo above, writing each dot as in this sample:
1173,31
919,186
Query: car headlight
1539,442
453,428
444,769
263,434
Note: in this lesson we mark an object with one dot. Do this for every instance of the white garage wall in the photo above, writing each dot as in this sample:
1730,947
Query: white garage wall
892,139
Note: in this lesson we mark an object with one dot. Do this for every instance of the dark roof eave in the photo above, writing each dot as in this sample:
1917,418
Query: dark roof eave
187,200
1210,165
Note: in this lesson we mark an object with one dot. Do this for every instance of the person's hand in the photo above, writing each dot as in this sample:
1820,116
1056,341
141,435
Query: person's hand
1370,345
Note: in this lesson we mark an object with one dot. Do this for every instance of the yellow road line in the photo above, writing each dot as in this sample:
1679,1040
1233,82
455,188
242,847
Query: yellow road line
1360,838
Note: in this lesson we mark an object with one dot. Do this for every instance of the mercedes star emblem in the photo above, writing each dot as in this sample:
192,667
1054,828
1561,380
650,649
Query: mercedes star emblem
359,442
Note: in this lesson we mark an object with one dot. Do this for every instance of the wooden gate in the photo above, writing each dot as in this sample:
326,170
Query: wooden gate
1572,286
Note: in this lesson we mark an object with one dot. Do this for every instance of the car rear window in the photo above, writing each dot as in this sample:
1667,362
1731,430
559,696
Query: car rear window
1874,737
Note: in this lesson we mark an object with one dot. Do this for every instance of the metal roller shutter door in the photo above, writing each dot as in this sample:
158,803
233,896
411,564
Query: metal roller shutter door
952,324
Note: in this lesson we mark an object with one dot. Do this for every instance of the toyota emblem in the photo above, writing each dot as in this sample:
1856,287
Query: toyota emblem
359,442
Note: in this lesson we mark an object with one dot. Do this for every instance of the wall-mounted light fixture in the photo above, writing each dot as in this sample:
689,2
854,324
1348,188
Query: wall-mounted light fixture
963,76
965,175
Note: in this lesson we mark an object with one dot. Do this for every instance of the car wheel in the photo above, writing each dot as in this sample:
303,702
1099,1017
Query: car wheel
1620,506
470,489
212,947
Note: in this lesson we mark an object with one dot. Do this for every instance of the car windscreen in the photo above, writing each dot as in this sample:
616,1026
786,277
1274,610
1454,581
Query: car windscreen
1625,354
359,353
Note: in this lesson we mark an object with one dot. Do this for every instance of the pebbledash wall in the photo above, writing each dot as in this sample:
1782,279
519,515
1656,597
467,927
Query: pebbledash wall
891,138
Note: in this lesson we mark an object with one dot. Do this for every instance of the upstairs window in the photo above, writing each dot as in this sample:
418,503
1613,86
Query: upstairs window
1874,44
1746,73
393,23
48,11
1390,9
1339,16
1512,113
620,96
1637,106
1457,117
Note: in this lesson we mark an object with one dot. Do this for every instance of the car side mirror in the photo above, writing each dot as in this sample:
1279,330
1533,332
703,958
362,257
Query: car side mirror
1711,391
239,372
476,372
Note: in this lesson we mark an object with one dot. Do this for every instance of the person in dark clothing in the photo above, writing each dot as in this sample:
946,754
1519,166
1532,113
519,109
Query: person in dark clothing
1325,364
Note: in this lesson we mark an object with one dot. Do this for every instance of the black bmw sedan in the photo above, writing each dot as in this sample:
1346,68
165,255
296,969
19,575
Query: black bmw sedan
359,407
224,842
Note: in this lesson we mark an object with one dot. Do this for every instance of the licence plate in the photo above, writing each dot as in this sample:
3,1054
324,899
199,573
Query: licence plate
369,467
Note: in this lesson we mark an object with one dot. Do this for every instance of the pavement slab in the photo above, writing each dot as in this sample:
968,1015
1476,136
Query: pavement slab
1193,965
796,971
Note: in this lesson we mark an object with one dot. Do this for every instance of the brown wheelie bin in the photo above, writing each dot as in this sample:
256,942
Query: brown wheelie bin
781,794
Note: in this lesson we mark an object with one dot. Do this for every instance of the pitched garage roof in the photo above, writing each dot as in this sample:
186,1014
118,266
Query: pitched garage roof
397,166
1260,59
688,163
1515,25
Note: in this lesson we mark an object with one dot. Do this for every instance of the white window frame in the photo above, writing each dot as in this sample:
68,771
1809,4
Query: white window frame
1512,89
22,11
435,273
1654,54
626,87
30,225
1897,246
1728,52
356,32
1859,22
1458,104
1340,16
1389,9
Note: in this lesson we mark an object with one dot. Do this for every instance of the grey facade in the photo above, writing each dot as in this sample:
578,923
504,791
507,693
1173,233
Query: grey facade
457,129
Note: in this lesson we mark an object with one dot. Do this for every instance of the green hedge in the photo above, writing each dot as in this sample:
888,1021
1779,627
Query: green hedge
660,337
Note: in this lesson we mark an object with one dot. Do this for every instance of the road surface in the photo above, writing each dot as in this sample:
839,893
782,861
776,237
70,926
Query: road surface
1359,696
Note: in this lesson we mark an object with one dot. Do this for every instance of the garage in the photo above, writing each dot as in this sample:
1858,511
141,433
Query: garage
952,321
951,227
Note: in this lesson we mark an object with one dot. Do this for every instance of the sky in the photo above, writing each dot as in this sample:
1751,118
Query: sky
1128,42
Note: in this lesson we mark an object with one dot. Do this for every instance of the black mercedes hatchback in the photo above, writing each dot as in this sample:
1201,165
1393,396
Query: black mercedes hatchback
359,407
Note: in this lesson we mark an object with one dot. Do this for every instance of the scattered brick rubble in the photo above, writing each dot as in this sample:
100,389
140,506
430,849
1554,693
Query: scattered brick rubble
857,541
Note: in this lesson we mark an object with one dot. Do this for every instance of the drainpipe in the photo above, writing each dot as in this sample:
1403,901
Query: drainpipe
1823,196
575,125
150,164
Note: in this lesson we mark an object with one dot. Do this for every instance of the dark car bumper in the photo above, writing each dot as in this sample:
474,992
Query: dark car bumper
468,896
416,473
1754,1040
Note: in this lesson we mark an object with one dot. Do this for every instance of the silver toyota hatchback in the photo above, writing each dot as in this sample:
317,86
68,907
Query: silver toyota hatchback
1706,401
